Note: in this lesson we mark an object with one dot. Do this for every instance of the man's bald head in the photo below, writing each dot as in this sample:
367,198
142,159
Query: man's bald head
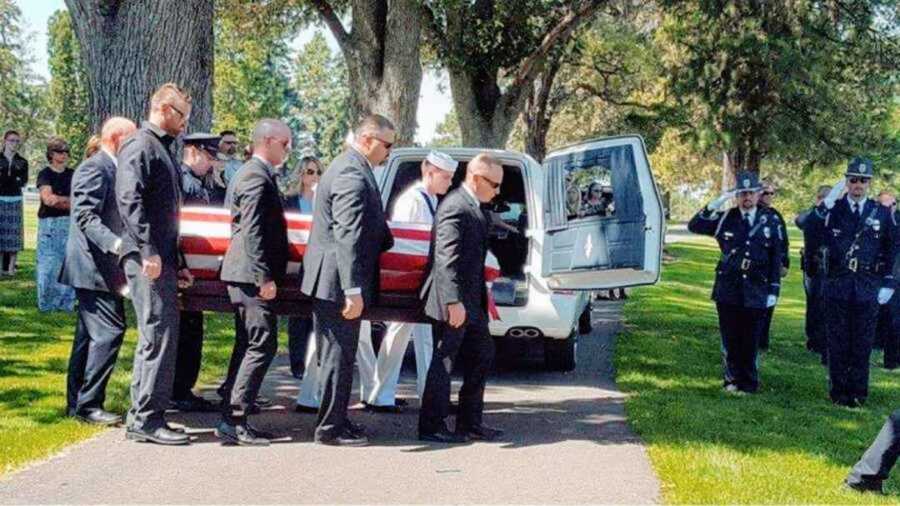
484,174
114,131
271,141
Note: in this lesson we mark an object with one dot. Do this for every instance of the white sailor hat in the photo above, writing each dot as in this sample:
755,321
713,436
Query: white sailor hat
442,161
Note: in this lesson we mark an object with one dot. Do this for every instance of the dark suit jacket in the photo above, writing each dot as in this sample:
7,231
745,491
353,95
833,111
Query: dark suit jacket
91,262
349,232
455,271
258,252
148,192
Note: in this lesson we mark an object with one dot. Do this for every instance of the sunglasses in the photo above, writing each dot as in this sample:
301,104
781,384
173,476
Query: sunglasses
66,151
310,172
857,180
387,145
180,113
494,185
768,193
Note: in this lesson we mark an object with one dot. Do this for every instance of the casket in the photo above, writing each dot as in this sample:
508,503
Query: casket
206,232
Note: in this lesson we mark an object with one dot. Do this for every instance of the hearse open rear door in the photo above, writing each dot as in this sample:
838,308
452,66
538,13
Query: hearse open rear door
604,221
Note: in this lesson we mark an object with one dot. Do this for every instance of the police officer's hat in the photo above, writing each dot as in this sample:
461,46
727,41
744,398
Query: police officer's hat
442,161
205,141
747,181
860,167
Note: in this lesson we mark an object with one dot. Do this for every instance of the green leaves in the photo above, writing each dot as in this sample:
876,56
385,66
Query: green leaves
68,93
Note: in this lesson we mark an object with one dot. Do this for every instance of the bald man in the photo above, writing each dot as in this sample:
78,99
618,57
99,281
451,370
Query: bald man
148,193
92,267
455,296
254,267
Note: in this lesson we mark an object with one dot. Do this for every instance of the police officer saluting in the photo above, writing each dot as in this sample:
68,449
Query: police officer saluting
748,275
859,234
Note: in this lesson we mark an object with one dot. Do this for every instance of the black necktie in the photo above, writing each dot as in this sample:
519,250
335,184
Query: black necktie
747,220
856,209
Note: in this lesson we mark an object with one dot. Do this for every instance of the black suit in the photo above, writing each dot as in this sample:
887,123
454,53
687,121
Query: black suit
257,254
349,232
148,193
459,242
92,267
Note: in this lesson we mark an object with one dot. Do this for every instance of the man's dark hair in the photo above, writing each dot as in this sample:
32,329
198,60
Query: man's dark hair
223,133
10,132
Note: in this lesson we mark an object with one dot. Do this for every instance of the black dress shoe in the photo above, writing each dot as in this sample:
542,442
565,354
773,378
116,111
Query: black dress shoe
263,402
299,408
443,436
162,436
481,432
346,438
179,430
259,432
866,486
239,435
394,408
356,428
193,404
98,417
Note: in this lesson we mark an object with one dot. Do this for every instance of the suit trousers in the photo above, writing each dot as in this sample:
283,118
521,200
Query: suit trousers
876,464
298,329
190,353
851,330
337,340
256,320
365,361
98,338
740,328
156,310
474,347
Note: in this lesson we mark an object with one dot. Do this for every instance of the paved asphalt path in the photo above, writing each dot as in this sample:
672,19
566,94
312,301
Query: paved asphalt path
567,442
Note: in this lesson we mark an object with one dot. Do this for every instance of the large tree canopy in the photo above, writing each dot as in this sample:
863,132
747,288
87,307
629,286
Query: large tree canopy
800,80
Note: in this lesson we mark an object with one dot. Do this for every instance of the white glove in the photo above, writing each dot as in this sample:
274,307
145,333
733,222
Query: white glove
884,295
835,194
770,302
720,201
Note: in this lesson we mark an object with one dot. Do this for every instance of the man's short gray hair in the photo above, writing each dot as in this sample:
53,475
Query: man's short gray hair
269,128
373,124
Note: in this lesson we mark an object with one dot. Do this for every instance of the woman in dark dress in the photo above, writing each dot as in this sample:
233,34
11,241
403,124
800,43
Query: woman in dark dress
55,184
13,176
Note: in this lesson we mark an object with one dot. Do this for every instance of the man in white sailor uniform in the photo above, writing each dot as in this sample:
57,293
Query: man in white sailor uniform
417,204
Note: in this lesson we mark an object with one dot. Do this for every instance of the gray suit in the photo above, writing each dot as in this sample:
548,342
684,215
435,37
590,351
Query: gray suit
92,267
455,269
348,234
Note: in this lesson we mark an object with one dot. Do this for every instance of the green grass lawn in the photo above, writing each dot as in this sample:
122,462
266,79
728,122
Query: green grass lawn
34,353
787,444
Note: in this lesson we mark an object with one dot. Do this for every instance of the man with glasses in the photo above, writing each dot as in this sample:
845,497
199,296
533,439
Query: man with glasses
253,269
765,201
456,300
228,154
748,275
148,194
341,270
860,235
13,177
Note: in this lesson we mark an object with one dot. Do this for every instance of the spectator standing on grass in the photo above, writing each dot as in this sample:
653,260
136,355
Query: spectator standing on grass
861,237
55,185
748,275
13,176
813,276
765,202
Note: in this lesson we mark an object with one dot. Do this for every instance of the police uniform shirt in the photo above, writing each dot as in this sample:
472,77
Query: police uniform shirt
415,205
193,189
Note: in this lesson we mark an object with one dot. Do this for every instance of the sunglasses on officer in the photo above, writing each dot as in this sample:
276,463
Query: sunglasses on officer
858,180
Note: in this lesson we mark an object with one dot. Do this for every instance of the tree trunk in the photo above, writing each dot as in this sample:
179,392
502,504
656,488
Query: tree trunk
382,55
737,160
131,47
539,112
483,123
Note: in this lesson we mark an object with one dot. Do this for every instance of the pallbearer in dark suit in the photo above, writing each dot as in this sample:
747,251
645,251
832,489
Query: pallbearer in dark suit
340,270
455,297
92,268
861,237
148,193
198,189
748,276
254,267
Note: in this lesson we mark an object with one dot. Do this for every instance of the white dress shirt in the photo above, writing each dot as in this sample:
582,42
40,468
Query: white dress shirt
413,205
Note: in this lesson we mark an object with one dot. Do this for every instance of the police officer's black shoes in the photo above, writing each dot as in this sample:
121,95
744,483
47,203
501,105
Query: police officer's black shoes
865,486
162,436
239,434
98,417
307,410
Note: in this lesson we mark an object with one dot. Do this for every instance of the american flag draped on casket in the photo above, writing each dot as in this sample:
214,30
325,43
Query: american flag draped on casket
206,232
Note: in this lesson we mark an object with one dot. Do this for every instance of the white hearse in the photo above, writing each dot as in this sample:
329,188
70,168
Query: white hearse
558,242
